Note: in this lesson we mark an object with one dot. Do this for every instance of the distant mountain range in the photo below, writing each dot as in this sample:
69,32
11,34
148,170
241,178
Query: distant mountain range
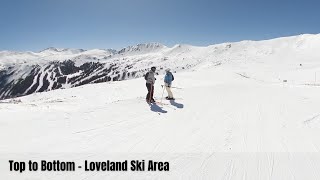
23,73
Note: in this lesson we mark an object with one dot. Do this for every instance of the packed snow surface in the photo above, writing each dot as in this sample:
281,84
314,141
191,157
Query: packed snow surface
253,119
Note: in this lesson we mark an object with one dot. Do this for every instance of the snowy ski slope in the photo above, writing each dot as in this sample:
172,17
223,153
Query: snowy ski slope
253,119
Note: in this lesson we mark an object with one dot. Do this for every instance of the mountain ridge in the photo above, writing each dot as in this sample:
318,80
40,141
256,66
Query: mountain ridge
23,74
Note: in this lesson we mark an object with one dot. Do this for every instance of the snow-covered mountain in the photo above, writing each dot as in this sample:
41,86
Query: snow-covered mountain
246,110
54,50
23,73
141,48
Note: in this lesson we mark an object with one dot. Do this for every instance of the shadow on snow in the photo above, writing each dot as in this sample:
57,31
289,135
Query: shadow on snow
177,105
156,108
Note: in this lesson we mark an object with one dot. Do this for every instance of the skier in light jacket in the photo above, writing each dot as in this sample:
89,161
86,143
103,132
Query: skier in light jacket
168,78
150,80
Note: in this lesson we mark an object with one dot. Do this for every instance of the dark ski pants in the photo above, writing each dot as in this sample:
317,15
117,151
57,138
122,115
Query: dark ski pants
150,88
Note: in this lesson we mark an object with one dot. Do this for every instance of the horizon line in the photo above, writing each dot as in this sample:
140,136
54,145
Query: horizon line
119,49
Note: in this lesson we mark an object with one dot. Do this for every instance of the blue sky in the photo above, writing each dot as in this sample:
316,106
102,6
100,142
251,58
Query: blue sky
38,24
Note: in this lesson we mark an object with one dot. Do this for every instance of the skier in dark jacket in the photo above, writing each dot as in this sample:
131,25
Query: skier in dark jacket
150,80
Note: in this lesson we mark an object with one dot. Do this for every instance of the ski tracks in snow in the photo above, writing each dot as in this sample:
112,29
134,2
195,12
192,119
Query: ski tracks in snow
230,171
312,120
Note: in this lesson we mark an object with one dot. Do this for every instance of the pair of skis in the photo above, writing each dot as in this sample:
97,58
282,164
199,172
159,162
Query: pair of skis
161,103
155,102
172,87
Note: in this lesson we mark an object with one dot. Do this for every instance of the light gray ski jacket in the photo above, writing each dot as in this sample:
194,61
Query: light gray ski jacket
151,79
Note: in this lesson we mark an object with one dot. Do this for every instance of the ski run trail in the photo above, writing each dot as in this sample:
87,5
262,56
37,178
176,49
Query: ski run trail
228,122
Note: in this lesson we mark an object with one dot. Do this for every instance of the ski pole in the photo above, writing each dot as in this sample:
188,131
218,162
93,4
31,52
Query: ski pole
162,93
